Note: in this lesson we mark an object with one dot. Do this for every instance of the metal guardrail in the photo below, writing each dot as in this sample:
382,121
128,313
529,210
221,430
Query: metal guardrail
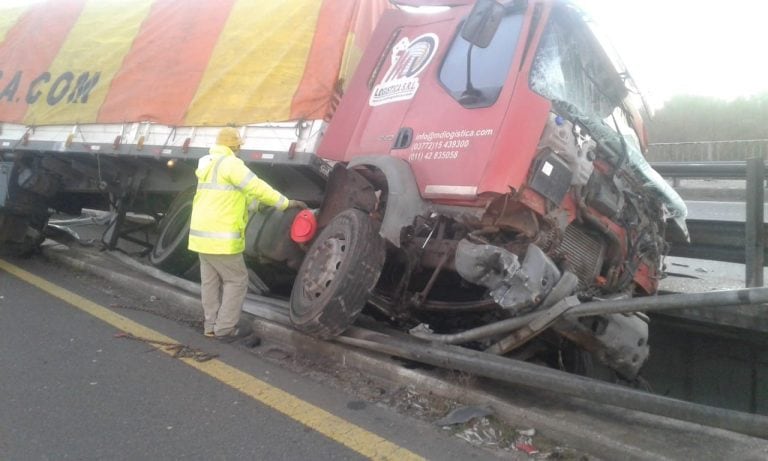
702,170
733,242
707,151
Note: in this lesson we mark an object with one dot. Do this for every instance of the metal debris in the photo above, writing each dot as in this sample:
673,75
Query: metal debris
481,433
463,415
421,328
524,441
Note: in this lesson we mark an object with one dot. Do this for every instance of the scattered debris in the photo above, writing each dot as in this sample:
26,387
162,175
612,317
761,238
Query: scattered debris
527,432
424,406
524,441
179,350
463,415
483,433
526,447
420,328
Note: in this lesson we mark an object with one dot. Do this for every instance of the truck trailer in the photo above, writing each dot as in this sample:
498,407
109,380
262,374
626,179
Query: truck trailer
469,165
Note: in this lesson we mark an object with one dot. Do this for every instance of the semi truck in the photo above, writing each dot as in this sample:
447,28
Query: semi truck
467,163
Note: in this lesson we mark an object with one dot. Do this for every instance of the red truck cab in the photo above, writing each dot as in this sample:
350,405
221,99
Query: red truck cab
409,100
495,146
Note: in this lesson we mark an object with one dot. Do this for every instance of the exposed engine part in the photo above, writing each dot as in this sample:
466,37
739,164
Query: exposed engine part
619,341
584,253
605,196
486,265
564,139
617,152
562,289
508,214
556,304
513,287
551,177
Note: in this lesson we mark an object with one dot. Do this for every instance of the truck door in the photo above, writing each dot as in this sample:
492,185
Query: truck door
411,99
407,54
458,109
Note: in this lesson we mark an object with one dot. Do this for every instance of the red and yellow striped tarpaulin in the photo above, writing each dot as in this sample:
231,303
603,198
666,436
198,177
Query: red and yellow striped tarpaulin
179,63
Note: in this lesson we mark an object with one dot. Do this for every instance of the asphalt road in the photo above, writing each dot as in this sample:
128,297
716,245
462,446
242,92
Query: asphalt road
70,390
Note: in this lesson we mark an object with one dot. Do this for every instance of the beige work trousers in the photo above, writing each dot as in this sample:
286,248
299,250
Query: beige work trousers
224,284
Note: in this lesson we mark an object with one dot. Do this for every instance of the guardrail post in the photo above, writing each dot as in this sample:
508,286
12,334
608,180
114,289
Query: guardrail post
755,241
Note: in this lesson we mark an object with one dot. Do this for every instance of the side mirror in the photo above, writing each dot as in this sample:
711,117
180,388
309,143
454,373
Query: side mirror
483,22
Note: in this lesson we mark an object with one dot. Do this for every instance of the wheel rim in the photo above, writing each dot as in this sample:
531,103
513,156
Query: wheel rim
323,268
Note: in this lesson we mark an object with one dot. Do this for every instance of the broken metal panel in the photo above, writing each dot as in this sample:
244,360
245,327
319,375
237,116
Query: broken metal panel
513,286
619,341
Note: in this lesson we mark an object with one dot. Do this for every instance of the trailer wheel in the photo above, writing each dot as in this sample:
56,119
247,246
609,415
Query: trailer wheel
21,236
170,252
337,276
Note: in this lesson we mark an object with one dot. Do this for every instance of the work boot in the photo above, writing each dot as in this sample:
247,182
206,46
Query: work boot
237,333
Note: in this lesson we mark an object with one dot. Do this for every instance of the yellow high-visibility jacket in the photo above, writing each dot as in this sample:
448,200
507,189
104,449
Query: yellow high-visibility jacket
225,187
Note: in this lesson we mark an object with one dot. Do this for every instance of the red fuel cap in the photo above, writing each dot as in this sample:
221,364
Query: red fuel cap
304,227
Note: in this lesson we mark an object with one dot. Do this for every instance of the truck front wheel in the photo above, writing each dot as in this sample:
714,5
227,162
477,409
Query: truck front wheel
337,275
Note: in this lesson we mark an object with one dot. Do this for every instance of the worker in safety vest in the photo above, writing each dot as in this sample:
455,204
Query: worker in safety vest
225,190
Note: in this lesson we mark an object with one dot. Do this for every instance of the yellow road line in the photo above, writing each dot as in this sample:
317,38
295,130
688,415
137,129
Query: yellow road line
341,431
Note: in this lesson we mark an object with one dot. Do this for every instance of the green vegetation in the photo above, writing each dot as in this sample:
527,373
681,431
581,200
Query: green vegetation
697,119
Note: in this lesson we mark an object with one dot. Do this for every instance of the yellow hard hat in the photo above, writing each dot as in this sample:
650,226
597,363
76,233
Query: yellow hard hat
229,137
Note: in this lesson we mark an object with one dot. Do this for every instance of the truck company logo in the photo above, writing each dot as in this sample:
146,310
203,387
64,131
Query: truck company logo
53,89
408,59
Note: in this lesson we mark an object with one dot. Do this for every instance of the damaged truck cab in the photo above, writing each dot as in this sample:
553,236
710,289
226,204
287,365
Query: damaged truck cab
499,148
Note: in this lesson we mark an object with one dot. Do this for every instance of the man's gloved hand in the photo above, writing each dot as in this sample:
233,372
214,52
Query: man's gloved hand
256,207
297,204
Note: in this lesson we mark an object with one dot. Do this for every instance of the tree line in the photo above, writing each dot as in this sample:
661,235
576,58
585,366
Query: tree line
699,119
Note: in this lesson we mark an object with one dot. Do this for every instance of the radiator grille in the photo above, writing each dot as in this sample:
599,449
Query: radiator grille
584,253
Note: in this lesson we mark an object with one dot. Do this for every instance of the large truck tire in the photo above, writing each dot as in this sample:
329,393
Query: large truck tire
170,252
337,276
20,236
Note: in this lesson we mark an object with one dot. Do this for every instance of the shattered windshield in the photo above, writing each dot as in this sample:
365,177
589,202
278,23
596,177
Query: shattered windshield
488,67
567,67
